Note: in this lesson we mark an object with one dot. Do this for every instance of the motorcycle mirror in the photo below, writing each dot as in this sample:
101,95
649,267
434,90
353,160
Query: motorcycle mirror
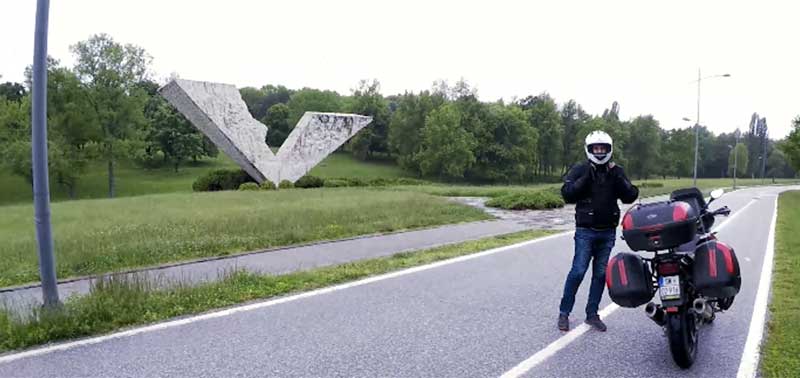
715,194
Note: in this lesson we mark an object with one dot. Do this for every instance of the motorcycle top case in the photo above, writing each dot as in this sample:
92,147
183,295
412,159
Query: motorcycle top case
716,270
659,225
629,280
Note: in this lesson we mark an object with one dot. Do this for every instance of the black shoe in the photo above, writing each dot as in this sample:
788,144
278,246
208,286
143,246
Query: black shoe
596,323
563,322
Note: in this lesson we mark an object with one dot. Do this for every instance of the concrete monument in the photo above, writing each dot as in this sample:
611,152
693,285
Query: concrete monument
220,113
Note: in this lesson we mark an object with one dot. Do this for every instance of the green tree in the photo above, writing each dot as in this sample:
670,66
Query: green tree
507,147
12,91
313,100
676,152
110,72
573,117
546,119
406,125
738,158
791,145
278,126
367,100
644,147
446,146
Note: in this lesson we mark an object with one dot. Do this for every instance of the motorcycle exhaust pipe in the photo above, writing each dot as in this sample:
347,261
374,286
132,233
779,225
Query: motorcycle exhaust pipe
702,308
655,313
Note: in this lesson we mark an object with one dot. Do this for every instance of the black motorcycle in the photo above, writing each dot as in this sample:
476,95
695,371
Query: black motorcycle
695,275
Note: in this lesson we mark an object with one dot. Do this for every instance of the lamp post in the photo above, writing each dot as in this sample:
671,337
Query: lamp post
41,184
697,120
735,158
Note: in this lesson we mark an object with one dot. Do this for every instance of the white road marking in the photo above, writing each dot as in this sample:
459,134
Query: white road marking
563,341
555,346
749,365
227,312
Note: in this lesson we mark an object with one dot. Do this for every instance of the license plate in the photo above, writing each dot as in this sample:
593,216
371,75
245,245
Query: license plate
669,287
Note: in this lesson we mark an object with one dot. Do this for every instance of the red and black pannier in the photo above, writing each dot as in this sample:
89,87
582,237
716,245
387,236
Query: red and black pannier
716,270
629,280
659,225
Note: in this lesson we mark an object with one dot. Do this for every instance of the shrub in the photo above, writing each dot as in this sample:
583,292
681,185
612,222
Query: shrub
335,183
409,181
267,185
543,199
221,179
650,185
309,181
355,181
379,182
248,186
286,184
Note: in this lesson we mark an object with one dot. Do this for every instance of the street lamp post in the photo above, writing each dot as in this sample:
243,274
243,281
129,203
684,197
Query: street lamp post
735,158
697,121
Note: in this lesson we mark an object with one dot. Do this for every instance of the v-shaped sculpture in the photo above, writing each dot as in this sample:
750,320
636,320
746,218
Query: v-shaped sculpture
220,113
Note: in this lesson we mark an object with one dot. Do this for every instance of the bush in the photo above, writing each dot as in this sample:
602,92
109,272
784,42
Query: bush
286,184
221,179
248,186
335,183
409,181
379,182
543,199
650,185
309,181
267,185
355,181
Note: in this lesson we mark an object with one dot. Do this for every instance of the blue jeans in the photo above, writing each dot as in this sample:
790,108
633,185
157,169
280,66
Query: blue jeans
594,246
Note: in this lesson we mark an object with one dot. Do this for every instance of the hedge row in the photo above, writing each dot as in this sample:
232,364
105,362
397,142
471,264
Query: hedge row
232,179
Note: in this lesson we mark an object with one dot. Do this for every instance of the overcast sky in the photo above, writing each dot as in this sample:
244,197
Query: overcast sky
641,54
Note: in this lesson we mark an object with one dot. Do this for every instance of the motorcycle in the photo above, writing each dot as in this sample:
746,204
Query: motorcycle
695,275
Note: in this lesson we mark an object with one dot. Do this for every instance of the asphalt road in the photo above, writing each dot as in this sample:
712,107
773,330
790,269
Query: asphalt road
478,317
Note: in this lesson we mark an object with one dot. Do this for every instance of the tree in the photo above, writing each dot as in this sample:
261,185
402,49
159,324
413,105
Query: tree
446,146
738,158
791,145
573,117
110,72
12,91
406,125
676,152
367,100
543,115
278,126
313,100
778,166
507,150
644,146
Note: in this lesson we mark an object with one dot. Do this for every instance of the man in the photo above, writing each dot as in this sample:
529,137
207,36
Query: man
594,186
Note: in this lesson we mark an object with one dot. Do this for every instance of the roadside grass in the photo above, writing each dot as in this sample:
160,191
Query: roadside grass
114,304
100,236
781,351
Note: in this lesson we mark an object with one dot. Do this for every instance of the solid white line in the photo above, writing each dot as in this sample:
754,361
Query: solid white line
555,346
255,306
749,365
563,341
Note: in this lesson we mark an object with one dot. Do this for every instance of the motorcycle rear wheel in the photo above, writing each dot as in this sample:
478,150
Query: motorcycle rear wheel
682,336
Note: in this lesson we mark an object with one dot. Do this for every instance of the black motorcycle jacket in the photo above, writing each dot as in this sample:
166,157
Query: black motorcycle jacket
595,190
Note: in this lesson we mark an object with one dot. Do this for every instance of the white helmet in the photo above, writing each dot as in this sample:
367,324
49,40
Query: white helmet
601,138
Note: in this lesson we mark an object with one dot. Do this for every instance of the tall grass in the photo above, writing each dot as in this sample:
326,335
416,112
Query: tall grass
98,236
119,303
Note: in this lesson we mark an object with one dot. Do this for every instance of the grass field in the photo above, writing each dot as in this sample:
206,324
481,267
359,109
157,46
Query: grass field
114,305
134,181
781,352
97,236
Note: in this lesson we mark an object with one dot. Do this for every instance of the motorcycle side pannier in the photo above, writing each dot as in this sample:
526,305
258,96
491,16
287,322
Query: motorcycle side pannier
629,280
659,225
716,270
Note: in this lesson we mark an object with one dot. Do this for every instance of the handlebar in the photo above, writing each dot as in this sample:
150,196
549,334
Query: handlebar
724,211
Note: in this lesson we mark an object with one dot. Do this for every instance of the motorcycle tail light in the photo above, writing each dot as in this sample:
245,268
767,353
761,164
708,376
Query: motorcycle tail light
668,269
